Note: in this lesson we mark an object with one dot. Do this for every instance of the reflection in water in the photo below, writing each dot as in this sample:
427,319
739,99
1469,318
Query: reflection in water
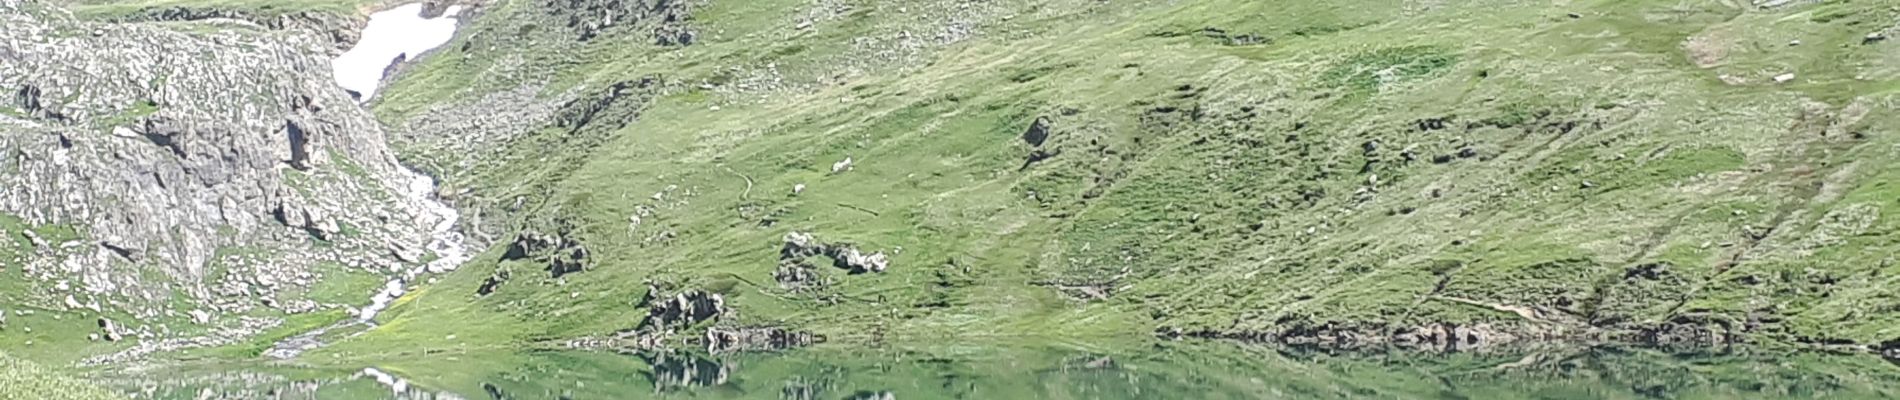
798,388
1160,370
872,396
673,371
399,388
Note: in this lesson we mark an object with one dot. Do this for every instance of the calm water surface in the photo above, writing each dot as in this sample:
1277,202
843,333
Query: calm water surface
1155,371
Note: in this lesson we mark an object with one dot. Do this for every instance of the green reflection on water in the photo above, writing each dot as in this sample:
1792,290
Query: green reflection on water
1058,371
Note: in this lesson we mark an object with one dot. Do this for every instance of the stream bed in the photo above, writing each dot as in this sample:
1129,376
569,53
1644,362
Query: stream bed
393,36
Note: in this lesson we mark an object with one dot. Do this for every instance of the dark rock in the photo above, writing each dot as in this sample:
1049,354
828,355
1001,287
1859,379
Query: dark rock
561,255
493,283
434,9
572,262
1038,132
495,392
796,276
1647,271
111,330
299,145
675,37
394,64
1230,39
1036,156
163,131
28,99
601,107
129,254
682,310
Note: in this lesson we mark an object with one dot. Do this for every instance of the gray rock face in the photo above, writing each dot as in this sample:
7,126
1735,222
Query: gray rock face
214,159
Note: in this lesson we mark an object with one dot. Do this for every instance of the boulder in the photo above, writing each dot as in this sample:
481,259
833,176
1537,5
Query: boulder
111,330
560,254
800,245
683,309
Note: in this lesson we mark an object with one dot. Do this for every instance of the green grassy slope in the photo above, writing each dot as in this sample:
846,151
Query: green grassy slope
1218,167
22,380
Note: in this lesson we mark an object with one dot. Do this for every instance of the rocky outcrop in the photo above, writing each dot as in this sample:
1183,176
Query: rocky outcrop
797,277
667,19
797,274
394,65
581,113
800,246
493,283
560,254
1036,137
291,212
682,309
1038,132
210,157
110,331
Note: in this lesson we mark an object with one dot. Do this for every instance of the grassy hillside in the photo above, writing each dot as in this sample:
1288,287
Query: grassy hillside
24,380
1641,169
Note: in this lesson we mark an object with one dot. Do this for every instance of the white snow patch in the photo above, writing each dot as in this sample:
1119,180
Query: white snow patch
391,33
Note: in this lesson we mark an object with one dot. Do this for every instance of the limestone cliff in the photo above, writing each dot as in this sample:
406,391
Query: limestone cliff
211,164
